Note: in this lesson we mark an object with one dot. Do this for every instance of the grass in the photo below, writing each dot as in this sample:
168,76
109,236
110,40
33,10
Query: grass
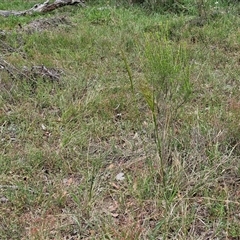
152,96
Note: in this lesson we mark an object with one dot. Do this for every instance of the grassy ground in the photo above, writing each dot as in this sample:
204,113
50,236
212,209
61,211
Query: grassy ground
139,139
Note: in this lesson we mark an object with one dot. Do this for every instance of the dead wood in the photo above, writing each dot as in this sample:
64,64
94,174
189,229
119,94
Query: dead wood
31,74
42,7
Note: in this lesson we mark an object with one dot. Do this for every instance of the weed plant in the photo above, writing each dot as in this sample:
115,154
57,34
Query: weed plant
168,89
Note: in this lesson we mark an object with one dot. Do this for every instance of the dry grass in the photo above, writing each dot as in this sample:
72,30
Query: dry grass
63,143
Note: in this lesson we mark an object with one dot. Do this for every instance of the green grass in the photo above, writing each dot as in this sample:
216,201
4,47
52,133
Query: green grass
153,96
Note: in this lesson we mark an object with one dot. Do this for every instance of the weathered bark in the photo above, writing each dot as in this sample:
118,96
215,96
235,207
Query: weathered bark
42,7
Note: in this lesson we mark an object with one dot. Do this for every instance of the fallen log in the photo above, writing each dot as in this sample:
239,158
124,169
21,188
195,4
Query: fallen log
42,7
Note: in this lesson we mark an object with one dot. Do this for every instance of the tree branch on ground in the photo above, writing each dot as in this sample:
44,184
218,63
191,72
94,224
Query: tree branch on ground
34,73
42,7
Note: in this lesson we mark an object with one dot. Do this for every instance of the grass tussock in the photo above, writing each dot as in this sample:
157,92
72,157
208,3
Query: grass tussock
137,137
